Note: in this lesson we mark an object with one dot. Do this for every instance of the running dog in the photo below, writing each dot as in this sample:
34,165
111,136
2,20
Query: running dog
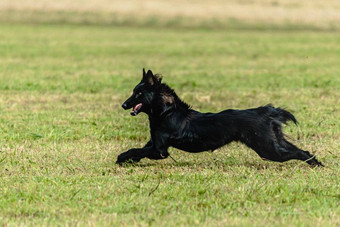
174,123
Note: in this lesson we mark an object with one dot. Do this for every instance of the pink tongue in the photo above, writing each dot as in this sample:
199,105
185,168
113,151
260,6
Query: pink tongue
137,107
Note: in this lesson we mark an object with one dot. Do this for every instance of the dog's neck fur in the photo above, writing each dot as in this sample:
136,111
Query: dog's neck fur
166,101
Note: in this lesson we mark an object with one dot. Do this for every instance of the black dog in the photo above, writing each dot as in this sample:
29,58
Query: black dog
174,123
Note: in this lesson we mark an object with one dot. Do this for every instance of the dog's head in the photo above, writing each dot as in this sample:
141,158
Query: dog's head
142,96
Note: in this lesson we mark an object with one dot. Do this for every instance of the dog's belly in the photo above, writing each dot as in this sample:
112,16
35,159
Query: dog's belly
197,145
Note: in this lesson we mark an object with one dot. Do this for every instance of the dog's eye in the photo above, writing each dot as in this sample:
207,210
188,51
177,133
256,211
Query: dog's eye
139,94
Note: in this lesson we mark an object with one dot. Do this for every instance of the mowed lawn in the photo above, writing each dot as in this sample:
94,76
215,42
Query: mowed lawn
62,127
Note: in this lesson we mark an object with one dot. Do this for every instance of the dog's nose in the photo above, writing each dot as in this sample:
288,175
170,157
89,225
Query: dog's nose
124,106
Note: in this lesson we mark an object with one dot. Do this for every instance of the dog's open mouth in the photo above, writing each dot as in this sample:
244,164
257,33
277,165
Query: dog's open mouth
136,109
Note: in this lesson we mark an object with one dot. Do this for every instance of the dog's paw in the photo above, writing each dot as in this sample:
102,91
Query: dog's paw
315,163
126,158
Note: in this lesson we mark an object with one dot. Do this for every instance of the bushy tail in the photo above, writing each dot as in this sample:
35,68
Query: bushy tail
280,114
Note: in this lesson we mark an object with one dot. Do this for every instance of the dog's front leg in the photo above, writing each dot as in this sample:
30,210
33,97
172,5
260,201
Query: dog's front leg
148,144
132,155
135,154
148,151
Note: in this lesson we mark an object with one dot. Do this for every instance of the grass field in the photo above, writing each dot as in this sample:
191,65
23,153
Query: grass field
62,126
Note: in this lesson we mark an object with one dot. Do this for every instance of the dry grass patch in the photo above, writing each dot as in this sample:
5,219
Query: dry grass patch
318,14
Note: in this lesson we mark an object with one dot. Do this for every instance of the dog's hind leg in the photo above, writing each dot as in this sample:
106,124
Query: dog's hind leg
287,151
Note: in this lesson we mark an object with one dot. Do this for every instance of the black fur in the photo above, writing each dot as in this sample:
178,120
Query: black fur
174,123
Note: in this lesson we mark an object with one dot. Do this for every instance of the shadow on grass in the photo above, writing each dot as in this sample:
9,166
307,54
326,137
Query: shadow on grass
205,164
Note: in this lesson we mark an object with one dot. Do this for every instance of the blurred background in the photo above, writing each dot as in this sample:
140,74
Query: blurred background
288,14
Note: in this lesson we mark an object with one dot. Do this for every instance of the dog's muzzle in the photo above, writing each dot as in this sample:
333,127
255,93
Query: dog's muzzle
125,106
135,109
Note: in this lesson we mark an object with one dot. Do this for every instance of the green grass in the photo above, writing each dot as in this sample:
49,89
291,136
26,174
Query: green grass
62,126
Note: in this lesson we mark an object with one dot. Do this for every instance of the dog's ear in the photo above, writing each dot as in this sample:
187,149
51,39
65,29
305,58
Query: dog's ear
144,74
149,78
